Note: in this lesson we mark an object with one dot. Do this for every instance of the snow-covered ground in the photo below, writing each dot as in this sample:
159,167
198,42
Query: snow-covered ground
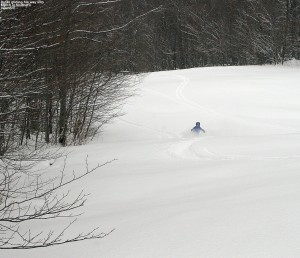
232,192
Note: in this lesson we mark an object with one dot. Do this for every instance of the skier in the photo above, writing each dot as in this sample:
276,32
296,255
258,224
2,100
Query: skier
197,129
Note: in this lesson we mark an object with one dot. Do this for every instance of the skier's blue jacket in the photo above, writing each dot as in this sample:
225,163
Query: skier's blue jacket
197,128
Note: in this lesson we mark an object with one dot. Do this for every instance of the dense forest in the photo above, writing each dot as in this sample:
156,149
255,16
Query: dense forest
67,66
64,64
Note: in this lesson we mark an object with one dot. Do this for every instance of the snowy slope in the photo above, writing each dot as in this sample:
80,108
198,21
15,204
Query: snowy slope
232,192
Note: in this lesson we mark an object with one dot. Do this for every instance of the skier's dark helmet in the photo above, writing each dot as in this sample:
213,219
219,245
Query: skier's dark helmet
198,123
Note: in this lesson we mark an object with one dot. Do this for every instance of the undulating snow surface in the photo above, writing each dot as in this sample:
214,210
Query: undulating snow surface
232,192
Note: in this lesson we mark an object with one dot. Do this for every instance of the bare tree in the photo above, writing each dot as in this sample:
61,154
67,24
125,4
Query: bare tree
28,196
60,61
61,78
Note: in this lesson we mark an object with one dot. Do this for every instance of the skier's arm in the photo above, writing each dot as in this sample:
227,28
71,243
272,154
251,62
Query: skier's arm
202,130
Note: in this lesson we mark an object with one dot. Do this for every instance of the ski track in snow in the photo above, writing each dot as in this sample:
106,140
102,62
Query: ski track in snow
179,95
185,148
185,101
188,147
199,148
181,99
193,149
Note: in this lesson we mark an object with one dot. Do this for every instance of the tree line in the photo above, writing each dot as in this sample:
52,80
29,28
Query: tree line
64,64
196,33
60,79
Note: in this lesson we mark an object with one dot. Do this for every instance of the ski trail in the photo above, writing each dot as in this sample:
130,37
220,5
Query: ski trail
179,95
191,150
188,149
181,99
180,88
